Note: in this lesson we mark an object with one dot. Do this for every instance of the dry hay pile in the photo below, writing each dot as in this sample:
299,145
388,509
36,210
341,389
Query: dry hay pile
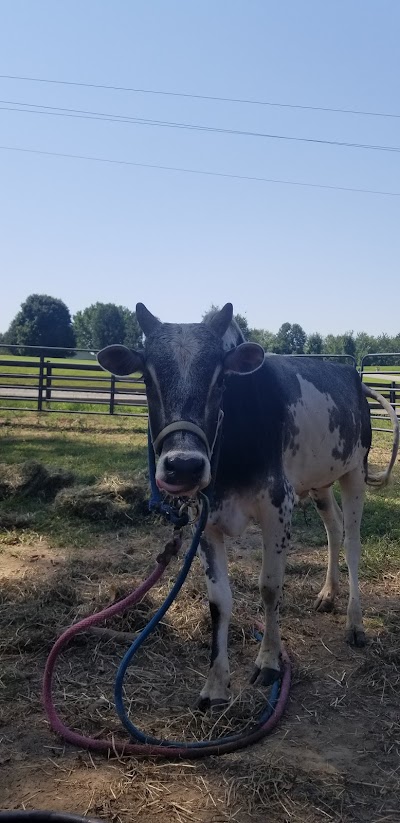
114,499
31,479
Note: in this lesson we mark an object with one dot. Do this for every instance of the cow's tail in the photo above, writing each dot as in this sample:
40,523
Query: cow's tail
381,478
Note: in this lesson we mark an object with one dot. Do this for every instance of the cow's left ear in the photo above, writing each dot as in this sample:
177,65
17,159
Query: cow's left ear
246,358
120,360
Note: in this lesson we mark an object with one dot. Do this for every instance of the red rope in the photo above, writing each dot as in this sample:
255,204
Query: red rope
120,747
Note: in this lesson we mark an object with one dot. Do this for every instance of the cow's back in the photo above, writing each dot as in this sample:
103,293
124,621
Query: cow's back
327,428
304,416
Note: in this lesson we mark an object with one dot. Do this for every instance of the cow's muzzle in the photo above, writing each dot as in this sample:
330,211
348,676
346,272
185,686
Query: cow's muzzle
181,472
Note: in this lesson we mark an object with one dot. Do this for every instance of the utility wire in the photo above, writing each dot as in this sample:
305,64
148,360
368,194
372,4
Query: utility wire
199,171
83,114
241,100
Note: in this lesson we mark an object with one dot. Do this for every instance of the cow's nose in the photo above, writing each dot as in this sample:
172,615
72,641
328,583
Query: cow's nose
184,468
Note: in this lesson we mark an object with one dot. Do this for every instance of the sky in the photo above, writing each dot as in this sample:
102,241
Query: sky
86,231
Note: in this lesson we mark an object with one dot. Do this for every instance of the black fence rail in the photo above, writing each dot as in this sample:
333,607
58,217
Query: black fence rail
35,379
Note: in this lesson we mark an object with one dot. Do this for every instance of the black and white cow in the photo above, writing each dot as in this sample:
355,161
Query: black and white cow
291,427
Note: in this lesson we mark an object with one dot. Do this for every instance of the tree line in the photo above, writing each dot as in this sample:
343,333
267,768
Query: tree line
46,322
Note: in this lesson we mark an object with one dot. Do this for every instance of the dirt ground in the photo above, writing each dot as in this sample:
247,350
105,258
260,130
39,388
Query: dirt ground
334,756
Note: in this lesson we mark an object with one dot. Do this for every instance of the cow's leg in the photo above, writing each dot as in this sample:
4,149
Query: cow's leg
332,518
275,520
353,490
213,557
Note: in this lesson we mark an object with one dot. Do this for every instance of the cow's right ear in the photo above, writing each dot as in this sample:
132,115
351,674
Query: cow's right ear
120,360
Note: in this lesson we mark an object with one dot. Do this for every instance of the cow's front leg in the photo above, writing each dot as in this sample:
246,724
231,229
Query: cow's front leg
213,557
275,519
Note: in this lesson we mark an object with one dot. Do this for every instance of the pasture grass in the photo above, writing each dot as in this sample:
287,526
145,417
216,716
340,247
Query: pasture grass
92,448
97,447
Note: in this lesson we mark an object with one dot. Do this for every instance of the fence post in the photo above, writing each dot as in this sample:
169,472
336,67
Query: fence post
112,394
48,381
393,395
40,384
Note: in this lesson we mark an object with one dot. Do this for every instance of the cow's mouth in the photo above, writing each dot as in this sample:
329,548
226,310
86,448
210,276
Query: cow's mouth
176,490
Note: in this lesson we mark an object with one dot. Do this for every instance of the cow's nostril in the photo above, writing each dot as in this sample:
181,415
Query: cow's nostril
185,467
169,464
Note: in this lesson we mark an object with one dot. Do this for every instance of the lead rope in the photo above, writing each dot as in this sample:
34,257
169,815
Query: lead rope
149,745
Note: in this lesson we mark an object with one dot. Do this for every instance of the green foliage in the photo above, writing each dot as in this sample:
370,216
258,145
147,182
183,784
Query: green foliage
290,339
45,321
241,320
314,344
265,338
103,324
42,321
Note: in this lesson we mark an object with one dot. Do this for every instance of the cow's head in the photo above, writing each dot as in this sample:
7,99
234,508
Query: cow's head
184,368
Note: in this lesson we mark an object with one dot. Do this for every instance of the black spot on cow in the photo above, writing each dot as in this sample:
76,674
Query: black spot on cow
215,621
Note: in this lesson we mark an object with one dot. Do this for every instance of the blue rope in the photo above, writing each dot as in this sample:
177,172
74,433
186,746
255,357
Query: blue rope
157,503
119,683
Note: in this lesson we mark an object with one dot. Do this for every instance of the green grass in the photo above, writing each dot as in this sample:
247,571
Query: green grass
93,447
90,447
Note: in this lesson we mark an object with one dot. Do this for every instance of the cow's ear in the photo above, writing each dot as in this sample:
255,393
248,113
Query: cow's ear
246,358
220,321
120,360
147,321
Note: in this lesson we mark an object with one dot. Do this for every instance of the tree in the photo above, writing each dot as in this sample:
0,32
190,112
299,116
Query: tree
298,339
103,324
265,338
133,332
242,322
42,321
314,344
290,339
365,343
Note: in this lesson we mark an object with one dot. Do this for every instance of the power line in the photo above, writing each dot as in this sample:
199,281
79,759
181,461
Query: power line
202,172
240,100
83,114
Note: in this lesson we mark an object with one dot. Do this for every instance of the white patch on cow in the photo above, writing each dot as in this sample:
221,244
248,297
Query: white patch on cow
309,460
184,348
233,337
234,514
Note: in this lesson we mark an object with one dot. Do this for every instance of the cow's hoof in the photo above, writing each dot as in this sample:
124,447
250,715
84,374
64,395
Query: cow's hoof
205,704
324,604
356,637
265,676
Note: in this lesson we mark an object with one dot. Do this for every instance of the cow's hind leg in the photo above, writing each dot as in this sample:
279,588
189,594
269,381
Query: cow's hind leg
275,521
213,557
332,518
353,491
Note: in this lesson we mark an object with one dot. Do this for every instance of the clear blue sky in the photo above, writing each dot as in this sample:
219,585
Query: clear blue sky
88,232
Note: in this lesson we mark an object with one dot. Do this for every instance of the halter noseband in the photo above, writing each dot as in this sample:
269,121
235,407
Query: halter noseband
185,425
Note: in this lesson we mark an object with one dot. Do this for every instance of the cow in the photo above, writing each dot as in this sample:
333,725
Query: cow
286,427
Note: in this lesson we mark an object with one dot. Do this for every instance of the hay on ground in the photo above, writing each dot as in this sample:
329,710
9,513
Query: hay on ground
15,520
31,478
113,499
